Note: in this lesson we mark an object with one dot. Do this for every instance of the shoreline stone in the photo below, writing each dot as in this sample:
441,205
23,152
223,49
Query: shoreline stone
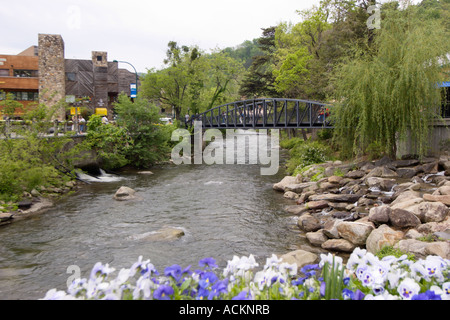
374,204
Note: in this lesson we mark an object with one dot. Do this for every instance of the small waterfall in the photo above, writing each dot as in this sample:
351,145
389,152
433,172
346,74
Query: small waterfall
102,177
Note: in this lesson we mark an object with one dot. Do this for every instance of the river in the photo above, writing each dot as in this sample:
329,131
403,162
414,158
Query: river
224,210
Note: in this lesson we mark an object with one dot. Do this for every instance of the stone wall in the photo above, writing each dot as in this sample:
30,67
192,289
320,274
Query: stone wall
52,72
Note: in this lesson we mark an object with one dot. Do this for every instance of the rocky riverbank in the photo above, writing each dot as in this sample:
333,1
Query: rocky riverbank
372,204
36,202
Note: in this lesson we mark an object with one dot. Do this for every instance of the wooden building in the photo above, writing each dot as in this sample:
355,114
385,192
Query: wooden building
41,74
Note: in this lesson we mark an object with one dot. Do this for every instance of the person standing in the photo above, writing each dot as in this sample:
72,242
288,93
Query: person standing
186,119
82,123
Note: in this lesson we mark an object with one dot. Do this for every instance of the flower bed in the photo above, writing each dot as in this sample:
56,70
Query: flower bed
363,277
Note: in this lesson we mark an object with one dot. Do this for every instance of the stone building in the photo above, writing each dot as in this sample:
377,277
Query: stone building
42,74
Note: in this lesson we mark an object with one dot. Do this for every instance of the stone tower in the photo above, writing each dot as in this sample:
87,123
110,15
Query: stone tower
52,72
100,72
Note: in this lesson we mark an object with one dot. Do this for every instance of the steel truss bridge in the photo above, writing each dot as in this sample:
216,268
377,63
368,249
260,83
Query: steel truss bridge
271,113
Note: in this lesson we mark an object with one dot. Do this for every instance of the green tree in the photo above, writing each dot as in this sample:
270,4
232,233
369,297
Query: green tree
221,83
389,91
298,64
259,80
175,85
150,139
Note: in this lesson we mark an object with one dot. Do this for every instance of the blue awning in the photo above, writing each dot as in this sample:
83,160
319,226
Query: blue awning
445,84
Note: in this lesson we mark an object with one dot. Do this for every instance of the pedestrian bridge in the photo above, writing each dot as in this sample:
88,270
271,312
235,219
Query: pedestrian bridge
270,113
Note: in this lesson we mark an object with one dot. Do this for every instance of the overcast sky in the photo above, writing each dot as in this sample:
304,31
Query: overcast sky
138,31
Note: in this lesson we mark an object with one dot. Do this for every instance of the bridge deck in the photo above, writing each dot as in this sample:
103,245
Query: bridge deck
267,114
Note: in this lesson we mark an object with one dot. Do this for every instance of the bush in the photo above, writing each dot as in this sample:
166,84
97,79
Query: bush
307,153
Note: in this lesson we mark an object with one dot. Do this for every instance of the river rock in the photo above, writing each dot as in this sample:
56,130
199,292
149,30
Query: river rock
382,236
355,174
382,172
330,228
352,198
315,205
432,211
291,195
440,248
355,232
124,194
379,214
445,199
164,234
338,245
296,209
300,257
5,216
406,173
383,184
443,190
316,238
335,179
308,223
418,248
299,187
280,186
401,218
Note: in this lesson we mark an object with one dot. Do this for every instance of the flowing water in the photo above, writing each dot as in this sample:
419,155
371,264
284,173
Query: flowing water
224,210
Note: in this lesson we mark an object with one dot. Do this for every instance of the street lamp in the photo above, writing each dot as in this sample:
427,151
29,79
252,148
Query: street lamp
134,72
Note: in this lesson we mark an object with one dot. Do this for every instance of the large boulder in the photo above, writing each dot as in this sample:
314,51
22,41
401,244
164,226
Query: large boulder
163,234
316,238
124,194
355,232
300,257
280,186
445,199
403,219
432,211
339,197
382,172
382,236
299,187
308,223
379,215
384,184
338,245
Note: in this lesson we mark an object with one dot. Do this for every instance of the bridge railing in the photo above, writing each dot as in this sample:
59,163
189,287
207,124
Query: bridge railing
267,113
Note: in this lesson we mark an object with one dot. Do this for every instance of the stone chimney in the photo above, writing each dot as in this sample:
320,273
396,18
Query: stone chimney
100,72
52,72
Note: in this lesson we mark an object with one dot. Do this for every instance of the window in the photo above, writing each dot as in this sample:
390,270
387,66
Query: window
4,73
25,96
71,76
99,58
25,73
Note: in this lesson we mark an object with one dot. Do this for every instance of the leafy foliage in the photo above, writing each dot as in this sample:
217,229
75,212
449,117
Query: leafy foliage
390,90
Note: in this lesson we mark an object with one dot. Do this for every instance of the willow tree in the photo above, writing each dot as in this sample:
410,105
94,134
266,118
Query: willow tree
389,92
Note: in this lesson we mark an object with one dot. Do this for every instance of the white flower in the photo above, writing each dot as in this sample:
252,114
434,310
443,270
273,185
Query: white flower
54,294
408,288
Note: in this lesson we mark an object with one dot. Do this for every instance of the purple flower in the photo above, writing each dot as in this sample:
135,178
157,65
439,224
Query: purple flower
218,288
207,278
357,295
208,263
202,293
309,267
427,295
173,271
243,295
163,292
298,281
323,286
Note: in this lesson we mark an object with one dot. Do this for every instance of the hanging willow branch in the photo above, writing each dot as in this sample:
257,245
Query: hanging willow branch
389,92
